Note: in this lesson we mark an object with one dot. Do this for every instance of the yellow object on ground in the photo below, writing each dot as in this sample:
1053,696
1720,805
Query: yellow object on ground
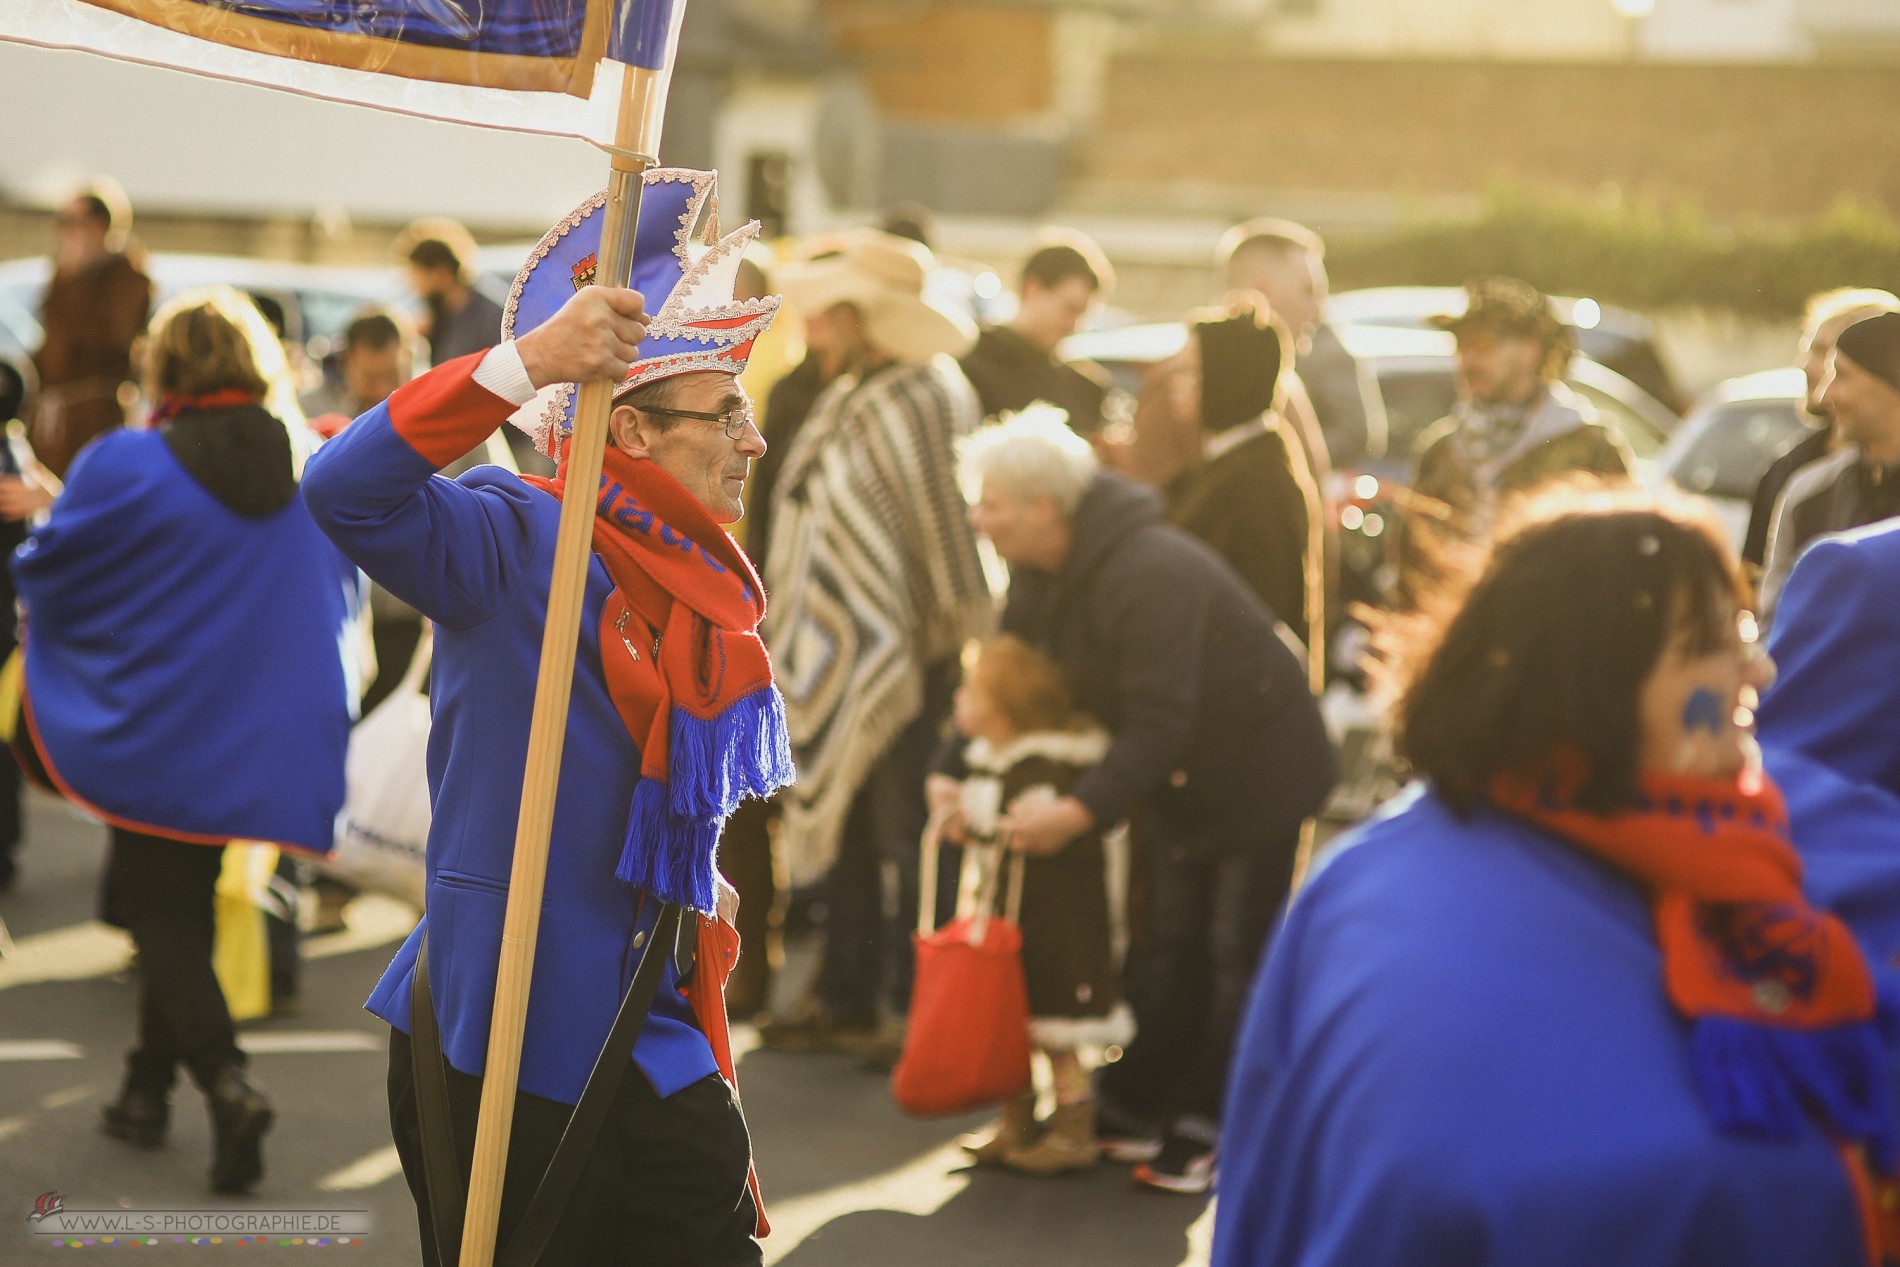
12,682
241,950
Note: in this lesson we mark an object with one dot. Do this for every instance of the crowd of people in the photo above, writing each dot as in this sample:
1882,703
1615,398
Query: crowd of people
1607,983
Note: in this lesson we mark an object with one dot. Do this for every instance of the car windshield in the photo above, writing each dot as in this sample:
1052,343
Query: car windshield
1414,400
1730,450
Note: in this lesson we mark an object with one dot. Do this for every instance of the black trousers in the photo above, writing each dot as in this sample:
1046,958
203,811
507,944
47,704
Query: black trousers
396,642
1209,918
10,823
163,892
871,892
665,1187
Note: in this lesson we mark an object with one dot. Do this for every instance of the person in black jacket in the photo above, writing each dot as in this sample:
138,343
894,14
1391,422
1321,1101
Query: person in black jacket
1014,365
1251,496
1218,754
1827,315
22,495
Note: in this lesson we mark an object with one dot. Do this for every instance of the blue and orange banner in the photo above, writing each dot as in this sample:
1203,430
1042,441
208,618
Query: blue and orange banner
535,65
531,45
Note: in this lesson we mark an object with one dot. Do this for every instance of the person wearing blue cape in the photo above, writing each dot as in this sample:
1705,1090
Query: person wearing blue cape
1565,1002
187,681
1830,725
674,718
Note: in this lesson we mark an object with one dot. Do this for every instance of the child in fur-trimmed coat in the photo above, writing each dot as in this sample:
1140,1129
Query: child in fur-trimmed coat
1027,742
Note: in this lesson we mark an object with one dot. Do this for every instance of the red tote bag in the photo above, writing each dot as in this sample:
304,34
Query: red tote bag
967,1044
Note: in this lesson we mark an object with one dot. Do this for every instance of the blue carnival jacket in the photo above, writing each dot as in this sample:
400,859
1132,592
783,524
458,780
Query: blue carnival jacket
1459,1052
1830,726
1836,641
475,555
186,665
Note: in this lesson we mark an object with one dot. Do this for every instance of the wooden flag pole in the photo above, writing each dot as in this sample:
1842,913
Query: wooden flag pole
636,141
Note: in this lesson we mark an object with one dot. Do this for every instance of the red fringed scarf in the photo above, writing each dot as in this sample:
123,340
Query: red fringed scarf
1786,1015
687,673
224,398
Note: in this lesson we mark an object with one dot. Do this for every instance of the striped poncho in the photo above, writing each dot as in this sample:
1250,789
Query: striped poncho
873,574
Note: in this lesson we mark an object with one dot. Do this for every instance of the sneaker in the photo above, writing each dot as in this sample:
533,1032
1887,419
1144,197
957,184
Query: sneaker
1124,1135
1184,1165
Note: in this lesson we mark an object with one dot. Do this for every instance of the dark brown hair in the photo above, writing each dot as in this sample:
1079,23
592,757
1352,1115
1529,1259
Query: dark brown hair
1051,265
1541,658
437,242
374,328
97,209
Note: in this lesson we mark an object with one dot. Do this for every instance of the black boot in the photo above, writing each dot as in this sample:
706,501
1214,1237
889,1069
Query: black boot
137,1117
239,1117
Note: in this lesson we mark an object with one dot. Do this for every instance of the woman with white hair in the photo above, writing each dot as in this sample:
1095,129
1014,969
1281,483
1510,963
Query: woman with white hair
1217,755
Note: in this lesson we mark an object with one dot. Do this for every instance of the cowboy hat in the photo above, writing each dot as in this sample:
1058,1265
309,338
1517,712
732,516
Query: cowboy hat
883,276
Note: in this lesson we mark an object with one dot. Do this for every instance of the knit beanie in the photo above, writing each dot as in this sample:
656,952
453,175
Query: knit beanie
1874,345
1241,357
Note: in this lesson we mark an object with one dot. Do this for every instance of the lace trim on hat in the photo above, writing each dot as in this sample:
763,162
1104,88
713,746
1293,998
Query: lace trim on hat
548,242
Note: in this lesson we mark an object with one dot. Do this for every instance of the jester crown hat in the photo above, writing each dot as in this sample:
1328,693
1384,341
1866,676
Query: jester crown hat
695,323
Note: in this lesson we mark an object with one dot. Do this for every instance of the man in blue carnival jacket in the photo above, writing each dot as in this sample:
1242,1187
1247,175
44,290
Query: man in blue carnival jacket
1830,725
673,718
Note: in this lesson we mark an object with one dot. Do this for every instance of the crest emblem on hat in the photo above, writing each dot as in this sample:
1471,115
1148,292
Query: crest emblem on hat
682,265
584,270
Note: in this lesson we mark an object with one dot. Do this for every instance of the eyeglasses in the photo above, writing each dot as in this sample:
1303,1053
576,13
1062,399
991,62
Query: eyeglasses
734,420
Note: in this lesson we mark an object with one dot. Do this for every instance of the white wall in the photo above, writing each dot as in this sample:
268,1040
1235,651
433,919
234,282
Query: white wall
762,114
1552,29
1686,30
1726,30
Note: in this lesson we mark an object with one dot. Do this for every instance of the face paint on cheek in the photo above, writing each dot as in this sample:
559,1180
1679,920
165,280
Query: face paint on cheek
1702,730
1704,712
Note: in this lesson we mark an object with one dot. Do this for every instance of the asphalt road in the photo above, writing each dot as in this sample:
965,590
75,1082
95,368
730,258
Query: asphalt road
847,1179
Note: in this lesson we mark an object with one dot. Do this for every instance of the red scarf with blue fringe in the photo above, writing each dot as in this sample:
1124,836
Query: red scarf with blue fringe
686,671
1788,1022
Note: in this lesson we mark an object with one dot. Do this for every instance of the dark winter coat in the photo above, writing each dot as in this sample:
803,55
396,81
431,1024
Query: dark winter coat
1258,506
1010,373
1214,731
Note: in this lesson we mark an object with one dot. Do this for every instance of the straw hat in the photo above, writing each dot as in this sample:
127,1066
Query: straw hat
883,275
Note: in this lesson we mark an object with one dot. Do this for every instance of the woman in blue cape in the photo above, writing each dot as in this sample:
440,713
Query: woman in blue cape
1565,1003
186,631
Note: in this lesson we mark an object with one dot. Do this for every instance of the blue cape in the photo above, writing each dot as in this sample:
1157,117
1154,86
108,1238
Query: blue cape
1460,1052
1836,640
186,666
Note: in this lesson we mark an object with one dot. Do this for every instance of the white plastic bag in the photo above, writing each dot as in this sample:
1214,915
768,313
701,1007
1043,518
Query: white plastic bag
384,826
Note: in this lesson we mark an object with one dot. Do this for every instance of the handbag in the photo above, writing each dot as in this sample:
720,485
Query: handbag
382,831
967,1043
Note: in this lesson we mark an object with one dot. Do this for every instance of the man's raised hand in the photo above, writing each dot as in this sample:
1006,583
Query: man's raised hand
596,334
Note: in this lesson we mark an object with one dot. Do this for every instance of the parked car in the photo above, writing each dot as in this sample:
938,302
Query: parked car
19,383
1622,340
1729,439
318,299
20,331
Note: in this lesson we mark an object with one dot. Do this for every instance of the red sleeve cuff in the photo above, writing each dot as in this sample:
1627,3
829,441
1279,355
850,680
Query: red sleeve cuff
445,413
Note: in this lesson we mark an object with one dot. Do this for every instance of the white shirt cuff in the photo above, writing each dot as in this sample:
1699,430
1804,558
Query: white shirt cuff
502,373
